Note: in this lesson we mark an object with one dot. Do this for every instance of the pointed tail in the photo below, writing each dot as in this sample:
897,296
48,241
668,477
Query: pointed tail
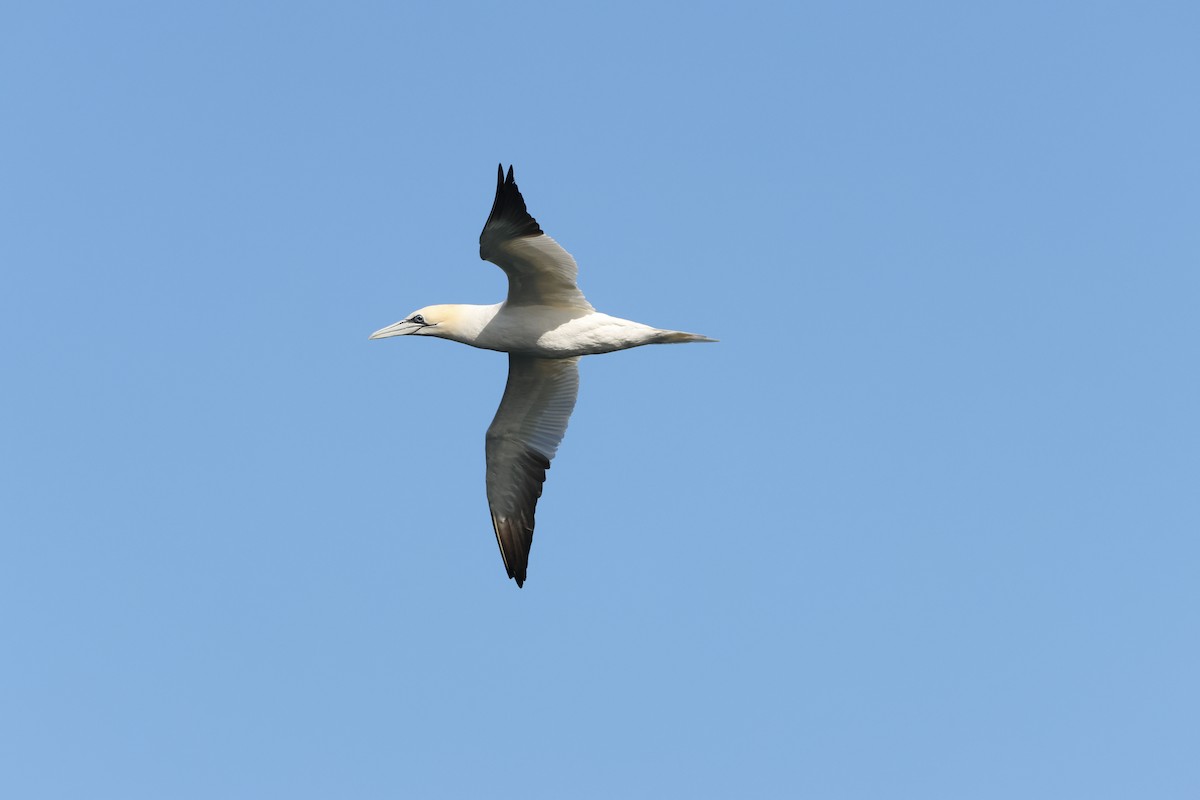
679,337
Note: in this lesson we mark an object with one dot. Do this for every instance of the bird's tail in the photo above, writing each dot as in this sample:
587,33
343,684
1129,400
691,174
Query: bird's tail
679,337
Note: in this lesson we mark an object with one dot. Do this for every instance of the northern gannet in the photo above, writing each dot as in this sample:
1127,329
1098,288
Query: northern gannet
544,325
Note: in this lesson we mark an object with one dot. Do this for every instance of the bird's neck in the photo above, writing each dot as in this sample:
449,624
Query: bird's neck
467,322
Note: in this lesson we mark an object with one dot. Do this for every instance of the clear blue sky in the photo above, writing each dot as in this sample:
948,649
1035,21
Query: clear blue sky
924,524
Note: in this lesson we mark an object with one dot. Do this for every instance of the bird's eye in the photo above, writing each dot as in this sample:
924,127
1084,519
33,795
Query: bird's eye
419,319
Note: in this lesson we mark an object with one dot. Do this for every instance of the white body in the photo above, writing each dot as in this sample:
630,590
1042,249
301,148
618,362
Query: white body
545,325
545,331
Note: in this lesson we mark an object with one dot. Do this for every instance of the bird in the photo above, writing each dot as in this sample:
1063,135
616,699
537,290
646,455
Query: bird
546,325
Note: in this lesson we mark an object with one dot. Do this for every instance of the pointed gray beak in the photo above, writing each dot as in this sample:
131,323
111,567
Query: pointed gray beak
399,329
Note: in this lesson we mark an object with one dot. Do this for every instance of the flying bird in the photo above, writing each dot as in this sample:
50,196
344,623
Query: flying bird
544,325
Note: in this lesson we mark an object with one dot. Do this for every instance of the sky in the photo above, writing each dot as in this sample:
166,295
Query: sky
923,524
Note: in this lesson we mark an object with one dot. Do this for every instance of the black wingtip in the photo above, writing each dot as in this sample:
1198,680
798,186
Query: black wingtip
519,571
508,210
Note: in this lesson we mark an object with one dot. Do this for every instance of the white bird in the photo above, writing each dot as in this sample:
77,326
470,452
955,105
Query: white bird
545,325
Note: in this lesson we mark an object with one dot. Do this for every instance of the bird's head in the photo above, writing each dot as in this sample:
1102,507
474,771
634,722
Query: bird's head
428,321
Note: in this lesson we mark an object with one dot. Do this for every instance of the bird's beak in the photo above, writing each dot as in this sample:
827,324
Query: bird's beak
399,329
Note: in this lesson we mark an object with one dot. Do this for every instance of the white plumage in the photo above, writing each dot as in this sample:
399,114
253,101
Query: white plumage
544,325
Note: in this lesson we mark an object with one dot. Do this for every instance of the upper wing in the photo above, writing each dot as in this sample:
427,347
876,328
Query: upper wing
539,271
521,441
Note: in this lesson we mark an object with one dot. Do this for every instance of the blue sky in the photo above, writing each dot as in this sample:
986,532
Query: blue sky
924,524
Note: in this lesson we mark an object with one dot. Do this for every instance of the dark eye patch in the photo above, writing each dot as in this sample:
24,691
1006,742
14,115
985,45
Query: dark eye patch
420,320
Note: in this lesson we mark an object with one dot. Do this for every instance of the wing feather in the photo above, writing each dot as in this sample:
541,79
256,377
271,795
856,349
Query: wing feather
540,271
521,442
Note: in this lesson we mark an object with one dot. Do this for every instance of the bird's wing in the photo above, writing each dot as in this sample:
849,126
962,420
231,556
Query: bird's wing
539,271
521,441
